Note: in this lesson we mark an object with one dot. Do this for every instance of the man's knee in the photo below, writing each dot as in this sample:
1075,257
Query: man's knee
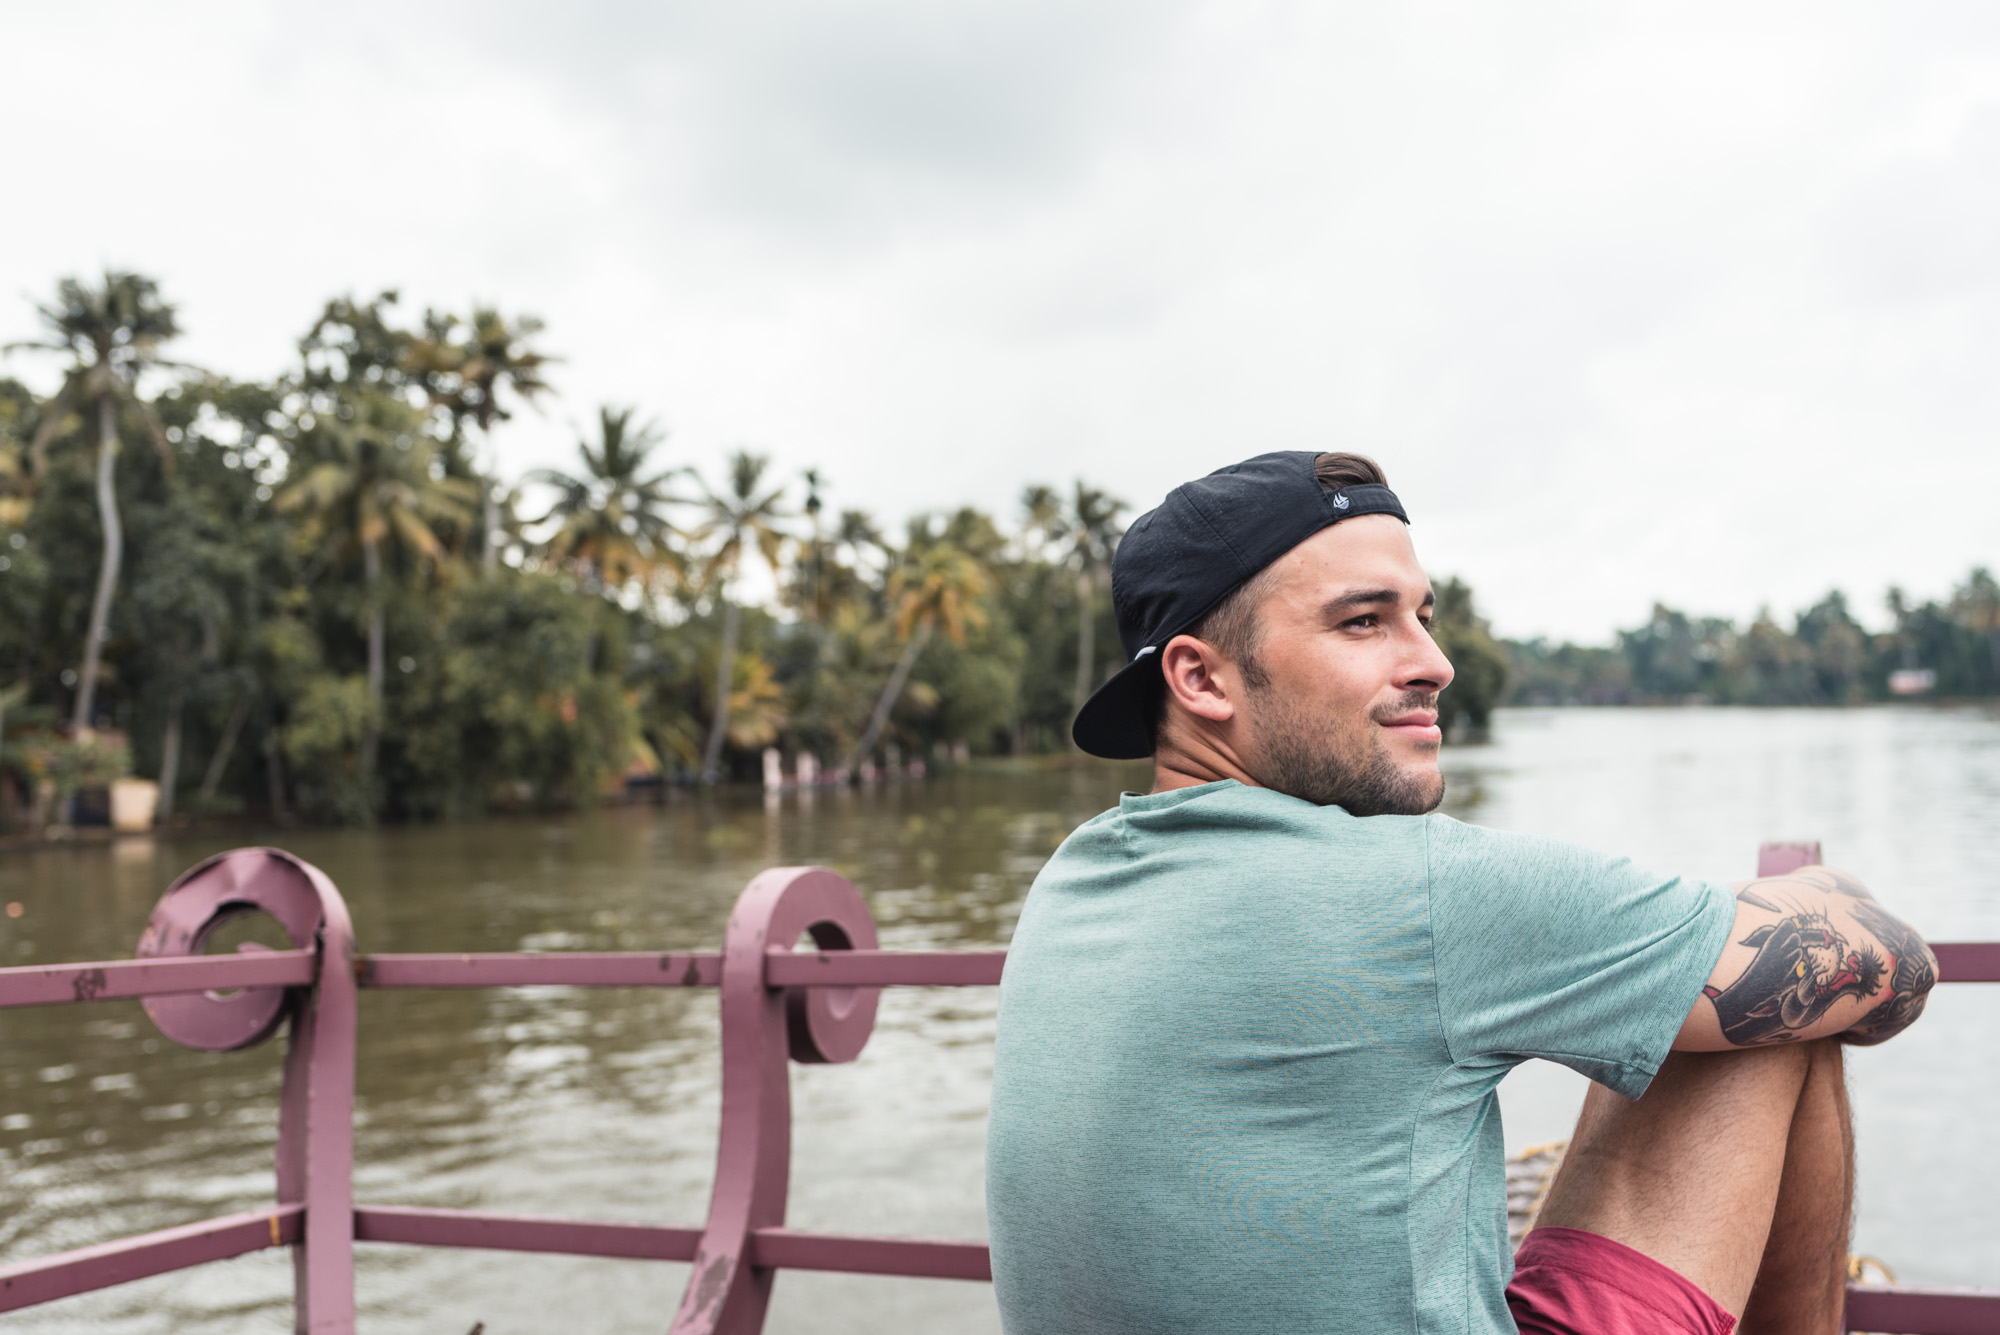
1709,1133
1690,1173
1703,1086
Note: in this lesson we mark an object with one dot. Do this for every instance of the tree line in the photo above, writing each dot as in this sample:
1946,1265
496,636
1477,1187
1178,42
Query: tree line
316,596
1946,648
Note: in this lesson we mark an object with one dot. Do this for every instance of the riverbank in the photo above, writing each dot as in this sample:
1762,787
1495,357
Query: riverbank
261,828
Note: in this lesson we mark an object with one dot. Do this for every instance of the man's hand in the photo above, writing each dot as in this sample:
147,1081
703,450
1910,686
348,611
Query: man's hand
1812,955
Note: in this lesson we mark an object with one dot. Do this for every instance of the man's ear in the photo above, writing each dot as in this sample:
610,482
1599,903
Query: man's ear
1194,675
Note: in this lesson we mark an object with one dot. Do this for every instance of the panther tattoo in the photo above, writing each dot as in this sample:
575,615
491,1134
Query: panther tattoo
1802,966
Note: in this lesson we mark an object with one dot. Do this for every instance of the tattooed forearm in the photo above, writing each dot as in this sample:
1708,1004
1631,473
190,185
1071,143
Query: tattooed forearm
1805,963
1912,975
1802,966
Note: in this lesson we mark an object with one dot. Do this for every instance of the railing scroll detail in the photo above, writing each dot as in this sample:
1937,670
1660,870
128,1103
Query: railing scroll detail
315,1168
762,1026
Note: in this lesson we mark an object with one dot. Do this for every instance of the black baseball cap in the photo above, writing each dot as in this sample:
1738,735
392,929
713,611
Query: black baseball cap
1179,561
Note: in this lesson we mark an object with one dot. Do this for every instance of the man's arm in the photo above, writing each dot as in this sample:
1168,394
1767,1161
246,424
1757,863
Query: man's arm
1812,955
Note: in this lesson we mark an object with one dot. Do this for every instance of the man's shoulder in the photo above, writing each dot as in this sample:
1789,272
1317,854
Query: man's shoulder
1236,824
1456,849
1230,843
1479,879
1227,806
1230,825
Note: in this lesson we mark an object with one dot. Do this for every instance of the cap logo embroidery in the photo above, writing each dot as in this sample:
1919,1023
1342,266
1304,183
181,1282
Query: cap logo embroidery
1340,500
1143,652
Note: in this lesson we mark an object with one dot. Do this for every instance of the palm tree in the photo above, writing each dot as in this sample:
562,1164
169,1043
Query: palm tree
939,586
17,479
613,515
742,517
11,696
1088,534
841,562
112,333
464,374
858,537
1041,513
1977,606
378,480
809,565
17,484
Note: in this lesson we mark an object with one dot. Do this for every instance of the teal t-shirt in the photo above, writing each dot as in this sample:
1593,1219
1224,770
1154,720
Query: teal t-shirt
1247,1052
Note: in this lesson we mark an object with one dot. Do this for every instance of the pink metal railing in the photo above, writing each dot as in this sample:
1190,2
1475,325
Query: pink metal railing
778,1006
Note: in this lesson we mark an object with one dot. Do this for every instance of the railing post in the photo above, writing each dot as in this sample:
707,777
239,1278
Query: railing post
316,1116
761,1027
1777,859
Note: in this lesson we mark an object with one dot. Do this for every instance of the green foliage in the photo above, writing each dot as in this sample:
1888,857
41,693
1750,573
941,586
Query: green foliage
973,689
1540,673
1479,666
611,520
505,705
111,334
370,477
313,616
65,764
325,729
1826,658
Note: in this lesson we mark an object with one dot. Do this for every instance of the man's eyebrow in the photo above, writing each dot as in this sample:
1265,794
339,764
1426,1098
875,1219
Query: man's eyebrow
1342,604
1348,602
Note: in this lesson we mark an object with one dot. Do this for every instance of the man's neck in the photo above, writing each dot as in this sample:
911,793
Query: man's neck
1175,767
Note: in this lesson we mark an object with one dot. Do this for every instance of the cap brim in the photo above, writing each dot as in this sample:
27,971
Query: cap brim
1115,723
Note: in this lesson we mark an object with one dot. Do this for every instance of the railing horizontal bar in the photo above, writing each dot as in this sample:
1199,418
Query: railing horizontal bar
916,1258
1905,1310
65,1274
1958,962
569,968
884,968
523,1233
1912,1311
53,984
780,1247
43,985
1967,961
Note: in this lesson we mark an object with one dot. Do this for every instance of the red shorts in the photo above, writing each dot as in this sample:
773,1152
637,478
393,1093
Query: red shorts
1569,1282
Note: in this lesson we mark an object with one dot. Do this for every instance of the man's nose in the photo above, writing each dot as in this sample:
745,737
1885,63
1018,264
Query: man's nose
1426,667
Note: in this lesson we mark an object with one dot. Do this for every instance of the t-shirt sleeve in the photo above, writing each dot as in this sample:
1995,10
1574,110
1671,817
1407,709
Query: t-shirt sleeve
1544,949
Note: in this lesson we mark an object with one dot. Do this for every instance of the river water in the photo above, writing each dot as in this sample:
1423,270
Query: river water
603,1103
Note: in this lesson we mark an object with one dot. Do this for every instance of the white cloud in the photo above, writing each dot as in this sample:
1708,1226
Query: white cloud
1632,302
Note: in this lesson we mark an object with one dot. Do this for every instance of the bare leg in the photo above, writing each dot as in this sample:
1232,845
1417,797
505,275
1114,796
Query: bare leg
1733,1170
1802,1281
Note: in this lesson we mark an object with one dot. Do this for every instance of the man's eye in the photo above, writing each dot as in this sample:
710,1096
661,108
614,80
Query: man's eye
1366,621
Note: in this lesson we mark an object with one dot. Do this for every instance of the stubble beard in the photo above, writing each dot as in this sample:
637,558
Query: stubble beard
1311,756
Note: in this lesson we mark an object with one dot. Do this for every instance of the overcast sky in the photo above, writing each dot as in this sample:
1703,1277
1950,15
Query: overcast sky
1692,302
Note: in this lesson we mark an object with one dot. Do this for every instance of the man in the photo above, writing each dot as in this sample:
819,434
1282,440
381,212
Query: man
1253,1020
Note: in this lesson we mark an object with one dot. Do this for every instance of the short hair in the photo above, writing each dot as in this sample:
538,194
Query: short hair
1232,626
